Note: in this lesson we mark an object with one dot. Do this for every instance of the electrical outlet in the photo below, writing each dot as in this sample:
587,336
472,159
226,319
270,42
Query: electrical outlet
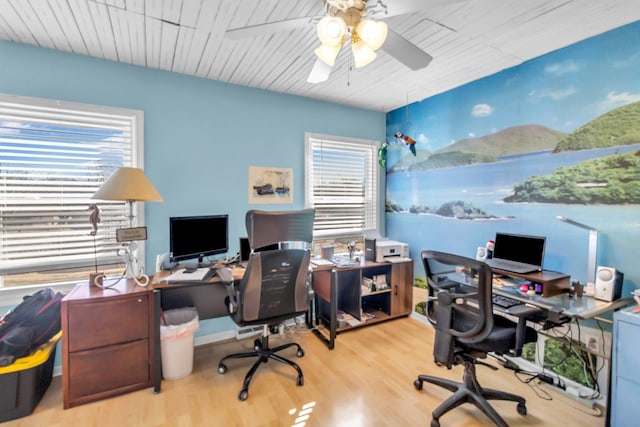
593,341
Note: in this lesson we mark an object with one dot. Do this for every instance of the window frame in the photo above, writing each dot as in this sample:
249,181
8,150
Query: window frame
370,148
13,295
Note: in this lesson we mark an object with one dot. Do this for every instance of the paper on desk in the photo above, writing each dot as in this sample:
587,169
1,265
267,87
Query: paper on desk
181,276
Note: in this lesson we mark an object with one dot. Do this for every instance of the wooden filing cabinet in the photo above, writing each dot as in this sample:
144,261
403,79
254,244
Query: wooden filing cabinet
108,341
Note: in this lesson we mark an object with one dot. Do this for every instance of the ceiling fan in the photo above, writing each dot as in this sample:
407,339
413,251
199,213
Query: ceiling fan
359,22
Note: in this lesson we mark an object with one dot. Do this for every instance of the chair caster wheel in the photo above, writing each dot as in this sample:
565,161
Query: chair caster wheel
243,395
300,381
222,368
300,353
522,409
435,423
417,384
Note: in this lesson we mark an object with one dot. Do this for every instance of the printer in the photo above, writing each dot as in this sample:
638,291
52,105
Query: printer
385,250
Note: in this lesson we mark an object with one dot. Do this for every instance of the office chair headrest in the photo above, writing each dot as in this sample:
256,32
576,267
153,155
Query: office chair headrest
266,228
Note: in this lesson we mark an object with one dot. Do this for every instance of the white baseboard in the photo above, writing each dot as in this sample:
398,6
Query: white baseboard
212,338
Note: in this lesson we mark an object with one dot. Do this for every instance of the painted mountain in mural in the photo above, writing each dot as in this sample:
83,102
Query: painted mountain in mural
612,180
510,141
485,149
620,126
409,161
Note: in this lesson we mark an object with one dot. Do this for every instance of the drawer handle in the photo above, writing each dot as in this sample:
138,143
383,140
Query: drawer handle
139,299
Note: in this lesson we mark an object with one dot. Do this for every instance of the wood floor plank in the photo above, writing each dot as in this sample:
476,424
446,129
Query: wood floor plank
367,380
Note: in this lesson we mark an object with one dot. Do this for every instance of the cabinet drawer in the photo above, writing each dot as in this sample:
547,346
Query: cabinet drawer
109,370
628,363
101,323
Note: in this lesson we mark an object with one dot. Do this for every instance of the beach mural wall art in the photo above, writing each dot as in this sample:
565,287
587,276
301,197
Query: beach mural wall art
555,136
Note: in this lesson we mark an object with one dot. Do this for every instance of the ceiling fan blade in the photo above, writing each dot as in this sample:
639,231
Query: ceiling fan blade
380,10
405,51
319,73
269,27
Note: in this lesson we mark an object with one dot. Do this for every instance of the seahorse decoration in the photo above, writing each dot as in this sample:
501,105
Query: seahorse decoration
382,155
94,218
407,140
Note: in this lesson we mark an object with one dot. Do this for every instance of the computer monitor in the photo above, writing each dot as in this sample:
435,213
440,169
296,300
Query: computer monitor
198,236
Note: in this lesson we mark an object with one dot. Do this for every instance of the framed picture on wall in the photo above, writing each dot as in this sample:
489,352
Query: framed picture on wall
270,185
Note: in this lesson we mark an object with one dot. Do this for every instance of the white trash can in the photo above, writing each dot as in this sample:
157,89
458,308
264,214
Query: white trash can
176,342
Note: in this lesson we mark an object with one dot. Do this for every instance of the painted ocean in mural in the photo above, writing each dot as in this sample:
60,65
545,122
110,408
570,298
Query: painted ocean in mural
558,135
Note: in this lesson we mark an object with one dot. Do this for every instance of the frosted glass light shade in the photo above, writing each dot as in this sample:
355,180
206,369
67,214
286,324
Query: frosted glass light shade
362,54
331,30
128,184
373,33
328,54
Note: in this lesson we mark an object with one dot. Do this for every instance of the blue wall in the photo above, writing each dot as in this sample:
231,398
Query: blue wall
200,135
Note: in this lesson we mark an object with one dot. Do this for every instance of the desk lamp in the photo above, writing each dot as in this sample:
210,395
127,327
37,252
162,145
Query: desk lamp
593,248
130,185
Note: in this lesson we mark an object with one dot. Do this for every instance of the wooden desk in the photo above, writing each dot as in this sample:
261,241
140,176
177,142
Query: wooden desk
207,297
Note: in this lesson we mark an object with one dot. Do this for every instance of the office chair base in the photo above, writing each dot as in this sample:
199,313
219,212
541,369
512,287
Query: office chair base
263,352
469,391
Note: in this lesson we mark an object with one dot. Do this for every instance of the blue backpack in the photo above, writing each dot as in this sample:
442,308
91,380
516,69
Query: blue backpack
29,325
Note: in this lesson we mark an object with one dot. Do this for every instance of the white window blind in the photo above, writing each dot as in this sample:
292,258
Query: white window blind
53,157
341,184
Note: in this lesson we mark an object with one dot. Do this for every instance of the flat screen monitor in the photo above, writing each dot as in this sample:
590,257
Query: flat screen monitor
198,236
520,248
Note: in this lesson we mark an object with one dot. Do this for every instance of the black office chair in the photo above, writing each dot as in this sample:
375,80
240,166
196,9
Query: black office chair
460,307
275,285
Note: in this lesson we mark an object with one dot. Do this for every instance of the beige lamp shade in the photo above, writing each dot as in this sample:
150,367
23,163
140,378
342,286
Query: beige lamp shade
128,184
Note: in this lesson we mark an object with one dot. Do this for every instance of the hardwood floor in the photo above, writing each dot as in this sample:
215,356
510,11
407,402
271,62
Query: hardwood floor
367,380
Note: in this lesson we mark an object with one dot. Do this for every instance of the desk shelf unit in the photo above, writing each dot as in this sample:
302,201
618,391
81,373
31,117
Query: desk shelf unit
343,302
553,283
109,342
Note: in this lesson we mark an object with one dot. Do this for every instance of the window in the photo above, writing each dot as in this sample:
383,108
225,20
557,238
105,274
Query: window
342,185
53,157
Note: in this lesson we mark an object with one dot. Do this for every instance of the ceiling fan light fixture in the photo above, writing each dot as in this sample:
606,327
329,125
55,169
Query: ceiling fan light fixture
328,53
373,33
362,54
331,30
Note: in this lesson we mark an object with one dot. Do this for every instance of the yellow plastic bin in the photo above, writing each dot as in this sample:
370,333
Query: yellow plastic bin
24,382
177,342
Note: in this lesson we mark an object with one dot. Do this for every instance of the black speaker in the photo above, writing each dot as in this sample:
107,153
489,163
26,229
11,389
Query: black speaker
370,249
608,283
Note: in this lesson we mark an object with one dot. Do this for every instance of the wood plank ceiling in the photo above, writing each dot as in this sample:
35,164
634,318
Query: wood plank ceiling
468,39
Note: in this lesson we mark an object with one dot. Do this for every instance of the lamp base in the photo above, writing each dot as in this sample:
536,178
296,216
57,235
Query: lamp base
96,279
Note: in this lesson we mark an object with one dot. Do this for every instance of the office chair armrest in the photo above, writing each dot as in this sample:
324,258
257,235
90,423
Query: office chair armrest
523,312
226,276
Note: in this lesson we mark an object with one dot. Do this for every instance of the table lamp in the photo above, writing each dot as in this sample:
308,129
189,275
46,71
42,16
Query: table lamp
593,249
130,185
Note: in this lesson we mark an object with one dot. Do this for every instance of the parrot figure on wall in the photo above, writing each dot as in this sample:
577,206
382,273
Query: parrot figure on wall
407,140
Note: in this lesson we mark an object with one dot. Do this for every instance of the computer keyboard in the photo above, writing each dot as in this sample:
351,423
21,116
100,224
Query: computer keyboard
505,302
